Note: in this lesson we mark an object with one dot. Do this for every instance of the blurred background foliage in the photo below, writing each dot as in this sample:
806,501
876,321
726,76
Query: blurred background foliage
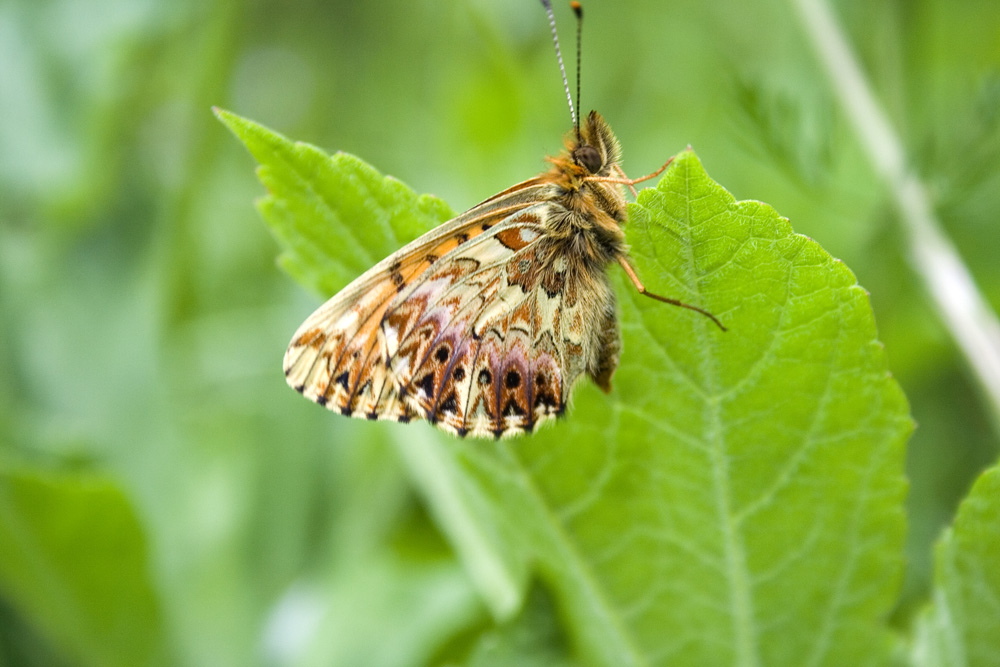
165,499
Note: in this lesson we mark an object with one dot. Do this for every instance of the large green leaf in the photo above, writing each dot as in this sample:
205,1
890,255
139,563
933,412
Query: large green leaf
736,500
962,626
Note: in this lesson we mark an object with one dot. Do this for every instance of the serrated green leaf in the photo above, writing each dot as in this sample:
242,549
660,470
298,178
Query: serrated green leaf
335,216
737,499
57,536
961,628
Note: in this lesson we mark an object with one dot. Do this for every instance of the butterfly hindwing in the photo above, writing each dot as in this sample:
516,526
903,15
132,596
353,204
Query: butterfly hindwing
480,355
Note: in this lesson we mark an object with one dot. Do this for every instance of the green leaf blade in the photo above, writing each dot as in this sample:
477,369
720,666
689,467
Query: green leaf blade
790,411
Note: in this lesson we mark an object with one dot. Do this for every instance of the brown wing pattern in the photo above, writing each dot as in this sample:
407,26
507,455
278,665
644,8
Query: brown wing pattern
479,355
424,333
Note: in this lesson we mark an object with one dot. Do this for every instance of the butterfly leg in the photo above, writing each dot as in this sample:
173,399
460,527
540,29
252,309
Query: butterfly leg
630,181
674,302
621,173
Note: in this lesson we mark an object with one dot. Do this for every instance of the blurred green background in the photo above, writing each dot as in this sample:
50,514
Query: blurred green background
166,500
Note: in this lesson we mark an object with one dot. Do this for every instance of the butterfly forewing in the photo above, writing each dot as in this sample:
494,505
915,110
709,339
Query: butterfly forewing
459,327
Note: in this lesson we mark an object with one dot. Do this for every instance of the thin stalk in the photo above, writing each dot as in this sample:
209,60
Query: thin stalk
961,306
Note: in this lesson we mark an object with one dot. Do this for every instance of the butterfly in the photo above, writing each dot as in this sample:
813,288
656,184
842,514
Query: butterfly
483,325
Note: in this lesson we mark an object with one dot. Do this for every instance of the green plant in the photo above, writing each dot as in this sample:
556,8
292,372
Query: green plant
737,500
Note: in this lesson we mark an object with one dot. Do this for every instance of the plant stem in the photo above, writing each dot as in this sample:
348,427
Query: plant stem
949,283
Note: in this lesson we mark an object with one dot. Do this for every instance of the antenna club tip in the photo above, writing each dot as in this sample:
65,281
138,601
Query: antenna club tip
577,9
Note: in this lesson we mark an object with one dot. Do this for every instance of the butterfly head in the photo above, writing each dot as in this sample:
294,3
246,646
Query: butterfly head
597,150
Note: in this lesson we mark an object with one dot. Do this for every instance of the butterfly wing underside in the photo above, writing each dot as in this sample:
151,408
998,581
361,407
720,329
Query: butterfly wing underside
468,327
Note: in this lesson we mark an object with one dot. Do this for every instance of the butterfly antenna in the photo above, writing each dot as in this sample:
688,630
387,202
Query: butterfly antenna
562,68
578,10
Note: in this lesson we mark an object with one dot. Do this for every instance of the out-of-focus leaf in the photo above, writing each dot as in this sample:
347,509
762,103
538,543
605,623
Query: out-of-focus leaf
962,626
386,611
383,565
73,560
738,498
532,639
21,643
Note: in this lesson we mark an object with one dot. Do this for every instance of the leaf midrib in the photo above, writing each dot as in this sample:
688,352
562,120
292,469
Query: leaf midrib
741,604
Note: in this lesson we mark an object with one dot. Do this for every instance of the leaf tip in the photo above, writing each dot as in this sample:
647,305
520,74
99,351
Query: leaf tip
227,117
687,155
239,126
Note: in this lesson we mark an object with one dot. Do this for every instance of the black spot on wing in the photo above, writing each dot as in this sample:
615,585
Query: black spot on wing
450,404
512,409
512,380
343,379
426,384
546,401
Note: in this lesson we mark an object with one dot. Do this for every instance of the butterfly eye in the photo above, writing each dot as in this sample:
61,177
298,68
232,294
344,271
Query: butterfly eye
589,158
